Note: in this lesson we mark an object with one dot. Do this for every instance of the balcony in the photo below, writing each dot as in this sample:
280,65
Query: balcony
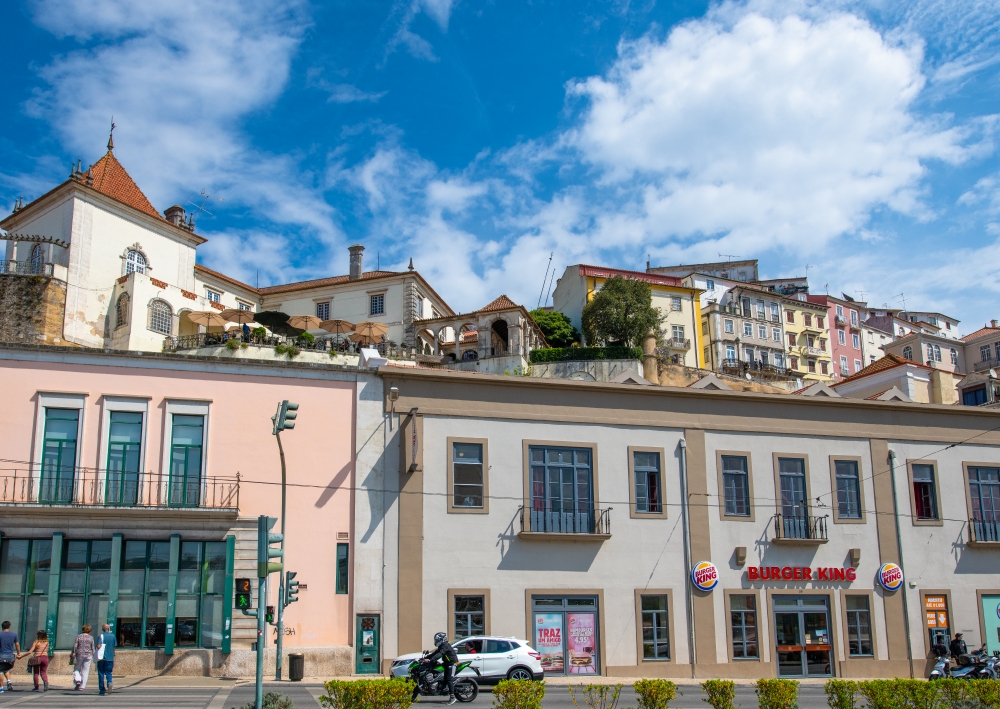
806,531
89,489
812,351
26,268
551,523
679,344
984,365
739,368
840,320
984,533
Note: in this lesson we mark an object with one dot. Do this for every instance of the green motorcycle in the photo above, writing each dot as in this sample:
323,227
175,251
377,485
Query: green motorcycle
430,681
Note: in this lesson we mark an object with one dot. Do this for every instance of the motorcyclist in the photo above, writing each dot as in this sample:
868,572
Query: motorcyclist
446,655
958,647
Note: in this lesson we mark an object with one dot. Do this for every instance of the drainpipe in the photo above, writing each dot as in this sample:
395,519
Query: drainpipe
688,597
899,545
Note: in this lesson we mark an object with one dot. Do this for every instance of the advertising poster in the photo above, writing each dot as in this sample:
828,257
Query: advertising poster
581,643
549,641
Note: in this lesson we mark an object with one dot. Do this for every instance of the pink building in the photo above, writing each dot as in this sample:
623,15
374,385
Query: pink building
846,343
130,494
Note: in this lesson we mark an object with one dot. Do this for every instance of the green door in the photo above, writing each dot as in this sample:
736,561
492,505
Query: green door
991,620
366,645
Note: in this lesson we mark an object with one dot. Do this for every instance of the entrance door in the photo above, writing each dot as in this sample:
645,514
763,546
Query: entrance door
565,634
802,636
991,619
366,645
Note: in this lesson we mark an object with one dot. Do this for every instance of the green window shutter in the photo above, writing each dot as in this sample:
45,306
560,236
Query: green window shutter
227,604
175,556
52,614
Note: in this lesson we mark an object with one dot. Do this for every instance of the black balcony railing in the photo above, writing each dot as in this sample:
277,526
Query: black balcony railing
25,268
983,531
88,488
787,527
739,368
555,519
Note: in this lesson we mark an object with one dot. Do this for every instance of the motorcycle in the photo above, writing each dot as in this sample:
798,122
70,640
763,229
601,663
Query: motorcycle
430,681
976,665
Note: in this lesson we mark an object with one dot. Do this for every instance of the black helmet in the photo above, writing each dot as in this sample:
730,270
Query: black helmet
440,638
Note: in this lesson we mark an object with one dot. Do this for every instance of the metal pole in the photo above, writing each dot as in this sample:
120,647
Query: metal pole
899,545
261,641
281,576
689,598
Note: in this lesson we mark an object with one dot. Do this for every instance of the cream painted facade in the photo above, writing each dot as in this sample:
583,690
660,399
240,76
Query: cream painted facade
807,332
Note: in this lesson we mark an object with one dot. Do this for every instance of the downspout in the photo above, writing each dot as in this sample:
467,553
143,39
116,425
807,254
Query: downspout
899,546
688,597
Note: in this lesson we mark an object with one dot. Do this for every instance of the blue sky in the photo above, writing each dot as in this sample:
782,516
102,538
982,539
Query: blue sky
858,139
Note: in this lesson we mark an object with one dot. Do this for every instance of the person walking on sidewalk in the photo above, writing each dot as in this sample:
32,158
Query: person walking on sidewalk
9,649
105,657
82,656
38,659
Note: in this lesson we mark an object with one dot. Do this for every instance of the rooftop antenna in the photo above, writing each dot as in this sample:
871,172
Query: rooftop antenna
546,278
552,279
862,294
902,298
808,266
825,285
728,257
205,197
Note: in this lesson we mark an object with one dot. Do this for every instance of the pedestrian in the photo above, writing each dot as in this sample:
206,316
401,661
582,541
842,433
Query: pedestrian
9,649
105,657
246,332
82,657
958,647
38,659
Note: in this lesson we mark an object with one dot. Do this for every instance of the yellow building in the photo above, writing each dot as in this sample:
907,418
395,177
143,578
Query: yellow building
680,331
807,339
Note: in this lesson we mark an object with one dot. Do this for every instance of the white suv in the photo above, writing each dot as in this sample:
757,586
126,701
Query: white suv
493,659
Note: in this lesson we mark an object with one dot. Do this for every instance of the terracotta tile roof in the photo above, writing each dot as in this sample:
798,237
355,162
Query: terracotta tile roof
602,272
501,303
224,277
875,396
111,179
880,365
981,332
334,281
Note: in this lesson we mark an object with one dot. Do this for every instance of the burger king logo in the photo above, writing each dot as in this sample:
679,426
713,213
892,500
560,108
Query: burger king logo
890,576
704,576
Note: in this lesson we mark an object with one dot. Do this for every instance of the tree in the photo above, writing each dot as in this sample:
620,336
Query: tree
621,313
556,327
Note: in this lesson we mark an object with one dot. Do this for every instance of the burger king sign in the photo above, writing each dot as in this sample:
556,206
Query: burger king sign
704,576
890,576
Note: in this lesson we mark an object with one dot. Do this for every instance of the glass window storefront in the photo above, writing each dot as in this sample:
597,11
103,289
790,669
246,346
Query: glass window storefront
743,620
802,636
565,633
859,626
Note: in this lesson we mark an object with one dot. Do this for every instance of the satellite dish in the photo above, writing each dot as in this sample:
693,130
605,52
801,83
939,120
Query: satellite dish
993,373
749,378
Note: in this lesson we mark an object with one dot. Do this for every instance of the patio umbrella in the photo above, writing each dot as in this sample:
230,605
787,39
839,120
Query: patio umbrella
277,322
238,315
306,322
337,327
370,330
208,318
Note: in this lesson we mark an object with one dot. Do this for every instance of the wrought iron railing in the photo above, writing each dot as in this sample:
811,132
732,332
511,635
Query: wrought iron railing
89,488
984,531
796,527
679,344
26,268
553,519
739,367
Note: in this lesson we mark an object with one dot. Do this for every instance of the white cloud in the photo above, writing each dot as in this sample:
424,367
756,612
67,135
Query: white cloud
407,11
345,93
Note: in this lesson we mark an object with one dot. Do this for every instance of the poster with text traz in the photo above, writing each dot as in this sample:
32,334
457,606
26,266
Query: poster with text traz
549,641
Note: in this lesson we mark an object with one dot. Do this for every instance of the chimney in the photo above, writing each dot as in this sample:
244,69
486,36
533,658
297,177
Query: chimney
175,215
993,323
356,258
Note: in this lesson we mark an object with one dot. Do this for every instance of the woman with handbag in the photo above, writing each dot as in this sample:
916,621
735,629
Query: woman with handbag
38,659
82,656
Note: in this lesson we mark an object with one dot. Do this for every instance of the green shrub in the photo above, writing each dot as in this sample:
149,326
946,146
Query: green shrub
721,693
518,694
597,696
272,700
368,694
654,693
777,693
987,691
880,693
841,694
580,354
290,350
232,344
305,337
259,333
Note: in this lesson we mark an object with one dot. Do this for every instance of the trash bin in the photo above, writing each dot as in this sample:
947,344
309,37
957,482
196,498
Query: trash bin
296,666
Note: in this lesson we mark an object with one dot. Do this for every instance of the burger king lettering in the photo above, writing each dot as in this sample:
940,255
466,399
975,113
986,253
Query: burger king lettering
800,573
704,576
890,577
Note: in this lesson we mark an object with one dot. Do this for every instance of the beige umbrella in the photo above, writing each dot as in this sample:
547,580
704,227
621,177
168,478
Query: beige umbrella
305,322
238,315
337,327
208,318
369,332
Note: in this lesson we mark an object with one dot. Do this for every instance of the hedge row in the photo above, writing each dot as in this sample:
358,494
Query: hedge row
581,354
368,694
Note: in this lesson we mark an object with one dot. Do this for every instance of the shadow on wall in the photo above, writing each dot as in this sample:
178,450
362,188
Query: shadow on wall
554,556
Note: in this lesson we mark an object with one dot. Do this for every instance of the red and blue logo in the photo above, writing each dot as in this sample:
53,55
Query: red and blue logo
704,576
890,576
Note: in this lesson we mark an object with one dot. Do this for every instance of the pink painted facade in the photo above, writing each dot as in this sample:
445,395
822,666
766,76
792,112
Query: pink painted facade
846,345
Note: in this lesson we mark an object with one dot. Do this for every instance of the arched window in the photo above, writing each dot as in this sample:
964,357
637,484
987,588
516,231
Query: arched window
121,310
907,352
160,317
134,261
36,258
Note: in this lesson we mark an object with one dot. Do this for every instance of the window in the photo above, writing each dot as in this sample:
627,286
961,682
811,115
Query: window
779,360
724,274
747,329
848,489
745,302
467,475
762,332
984,353
323,310
648,496
871,337
932,320
774,313
843,365
807,319
678,333
709,284
736,485
954,356
728,325
244,306
947,325
59,455
760,309
675,304
748,351
342,568
908,353
924,492
824,367
791,340
819,321
974,397
705,353
793,362
655,641
160,317
743,621
121,311
984,489
470,616
793,504
124,458
789,316
841,337
561,490
730,352
822,343
134,261
378,304
763,356
36,258
776,334
810,341
857,366
859,626
840,311
704,327
856,341
212,296
187,438
854,318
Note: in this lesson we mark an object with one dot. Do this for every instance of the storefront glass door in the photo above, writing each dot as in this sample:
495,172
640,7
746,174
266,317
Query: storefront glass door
802,636
565,634
991,618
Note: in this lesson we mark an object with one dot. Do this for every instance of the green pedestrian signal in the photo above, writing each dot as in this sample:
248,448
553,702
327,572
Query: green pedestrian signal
244,595
269,616
291,588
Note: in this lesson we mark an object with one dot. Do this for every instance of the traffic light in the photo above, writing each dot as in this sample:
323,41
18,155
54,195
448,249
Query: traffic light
244,596
284,420
265,552
269,616
291,588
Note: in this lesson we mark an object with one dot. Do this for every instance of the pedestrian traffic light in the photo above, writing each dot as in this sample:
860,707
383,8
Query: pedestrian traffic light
291,588
244,596
269,616
284,419
265,552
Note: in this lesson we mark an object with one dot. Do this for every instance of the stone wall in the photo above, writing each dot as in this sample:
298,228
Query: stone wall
677,375
32,309
598,370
